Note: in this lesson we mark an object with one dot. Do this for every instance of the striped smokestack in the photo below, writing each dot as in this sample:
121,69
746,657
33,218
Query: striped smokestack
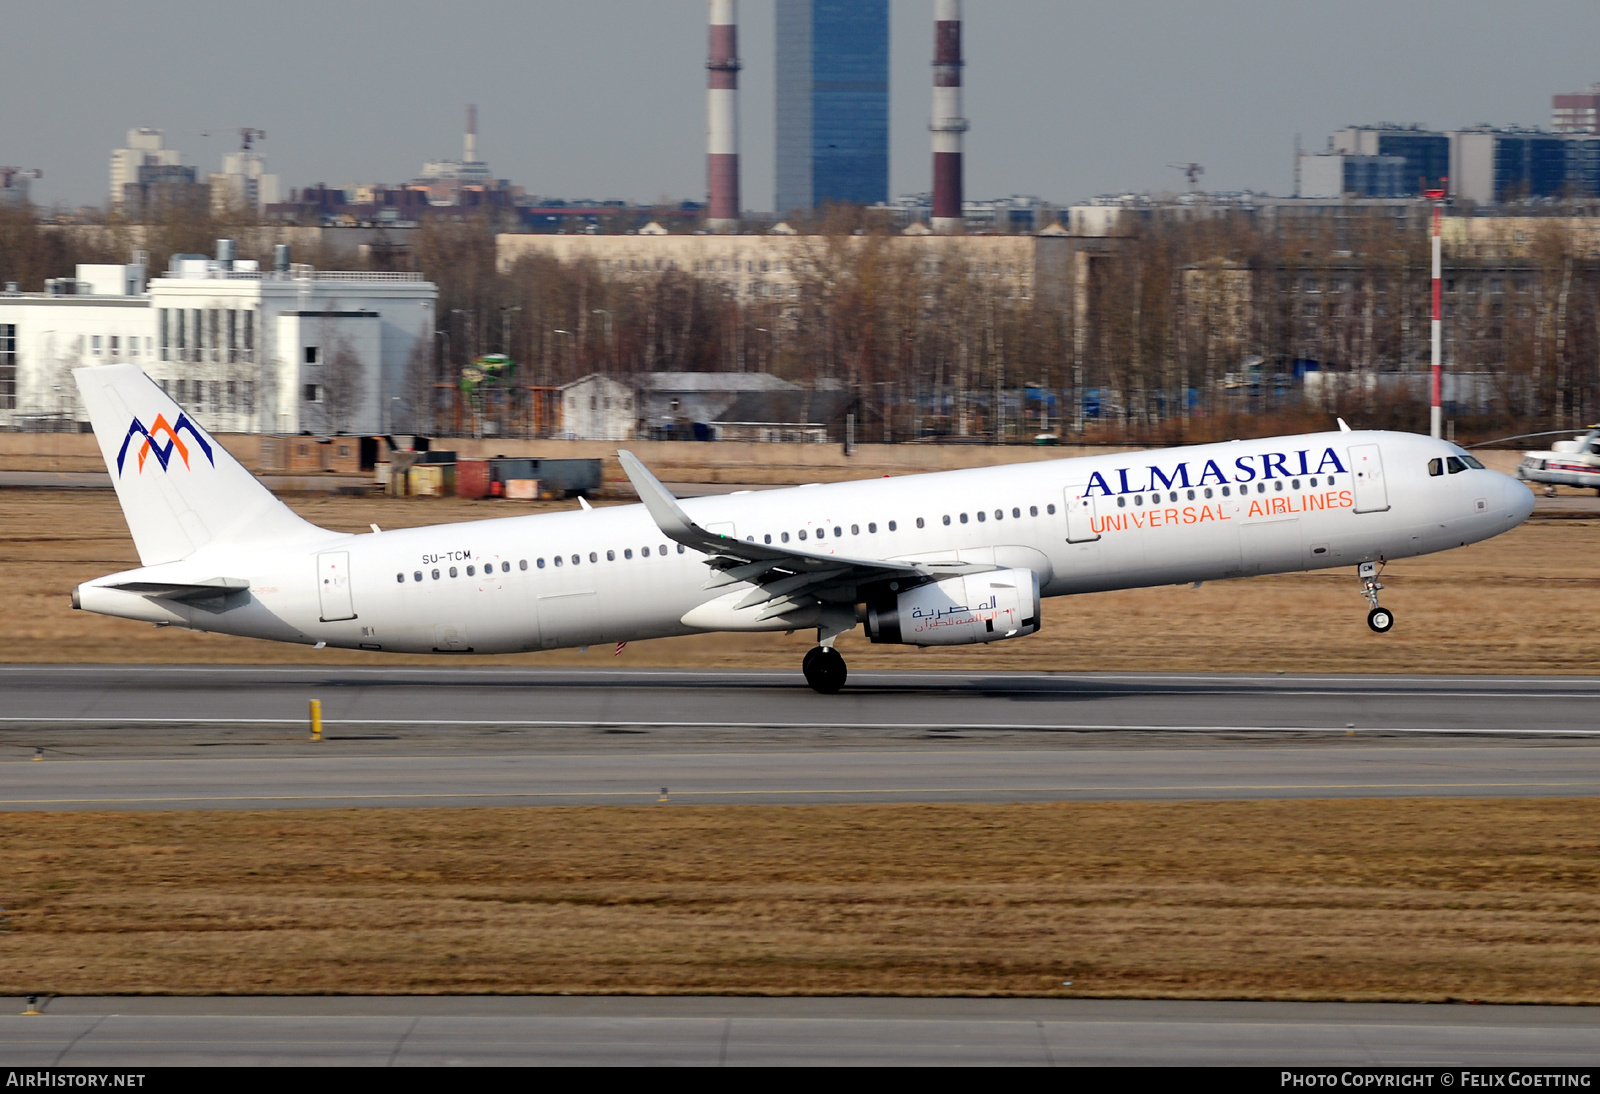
469,146
722,119
948,124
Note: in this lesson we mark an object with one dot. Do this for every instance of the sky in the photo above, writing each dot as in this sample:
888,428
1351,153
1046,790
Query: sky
606,98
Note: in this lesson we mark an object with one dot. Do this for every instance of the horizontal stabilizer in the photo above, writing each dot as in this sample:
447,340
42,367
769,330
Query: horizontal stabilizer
206,589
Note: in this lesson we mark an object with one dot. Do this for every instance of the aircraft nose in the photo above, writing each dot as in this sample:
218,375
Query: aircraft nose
1518,499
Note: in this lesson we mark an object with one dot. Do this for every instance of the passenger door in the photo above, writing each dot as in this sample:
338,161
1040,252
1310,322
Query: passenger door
1366,464
333,586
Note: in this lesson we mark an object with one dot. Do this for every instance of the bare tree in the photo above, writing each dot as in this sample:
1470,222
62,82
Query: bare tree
343,377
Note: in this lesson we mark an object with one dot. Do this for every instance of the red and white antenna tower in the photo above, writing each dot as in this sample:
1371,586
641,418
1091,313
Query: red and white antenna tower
1436,413
722,119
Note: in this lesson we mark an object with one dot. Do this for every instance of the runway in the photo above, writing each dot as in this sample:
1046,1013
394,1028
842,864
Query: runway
147,1032
184,737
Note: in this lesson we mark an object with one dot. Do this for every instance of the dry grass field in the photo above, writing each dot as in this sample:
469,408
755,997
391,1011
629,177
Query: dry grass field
1519,603
1412,899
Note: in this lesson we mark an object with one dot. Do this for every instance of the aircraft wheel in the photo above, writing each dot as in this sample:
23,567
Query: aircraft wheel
825,670
1380,620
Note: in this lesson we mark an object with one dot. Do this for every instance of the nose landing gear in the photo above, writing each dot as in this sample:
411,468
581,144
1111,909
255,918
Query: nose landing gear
824,669
1379,619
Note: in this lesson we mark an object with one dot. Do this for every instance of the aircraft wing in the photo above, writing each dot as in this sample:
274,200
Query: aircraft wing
786,580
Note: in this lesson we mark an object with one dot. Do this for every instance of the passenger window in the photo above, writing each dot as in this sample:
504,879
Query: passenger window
1033,510
963,518
664,550
453,572
1261,488
855,529
505,567
471,571
872,529
611,556
999,514
644,552
594,557
1016,512
784,536
1226,491
1455,465
1051,509
401,578
838,530
802,533
1191,495
558,560
1138,499
947,520
523,564
576,559
982,516
1122,502
436,575
1277,484
627,552
417,576
1208,491
1295,484
680,549
766,538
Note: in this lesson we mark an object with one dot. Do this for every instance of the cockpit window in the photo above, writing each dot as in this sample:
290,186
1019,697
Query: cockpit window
1472,462
1456,465
1436,467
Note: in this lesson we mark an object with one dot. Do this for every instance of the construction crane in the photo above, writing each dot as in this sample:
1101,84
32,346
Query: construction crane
1191,171
247,135
9,173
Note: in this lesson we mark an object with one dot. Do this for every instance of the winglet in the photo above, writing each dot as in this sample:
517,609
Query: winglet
659,502
1344,426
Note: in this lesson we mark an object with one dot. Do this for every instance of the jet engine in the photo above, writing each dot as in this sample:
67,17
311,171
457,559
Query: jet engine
959,611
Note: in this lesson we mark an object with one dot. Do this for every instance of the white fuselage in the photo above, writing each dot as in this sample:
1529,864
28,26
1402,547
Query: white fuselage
1086,524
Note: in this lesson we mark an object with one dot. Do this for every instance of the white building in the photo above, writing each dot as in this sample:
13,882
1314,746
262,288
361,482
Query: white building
143,150
285,351
597,408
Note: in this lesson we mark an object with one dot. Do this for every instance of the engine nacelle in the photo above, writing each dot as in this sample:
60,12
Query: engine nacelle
959,611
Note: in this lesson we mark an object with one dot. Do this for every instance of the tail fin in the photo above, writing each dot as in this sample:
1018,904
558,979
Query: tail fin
179,489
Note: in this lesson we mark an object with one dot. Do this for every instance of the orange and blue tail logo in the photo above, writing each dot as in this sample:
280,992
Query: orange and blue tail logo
163,453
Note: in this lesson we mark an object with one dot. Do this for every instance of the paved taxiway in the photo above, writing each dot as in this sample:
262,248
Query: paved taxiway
135,1032
150,737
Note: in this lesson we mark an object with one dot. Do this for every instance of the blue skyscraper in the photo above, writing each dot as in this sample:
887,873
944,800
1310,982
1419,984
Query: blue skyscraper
833,102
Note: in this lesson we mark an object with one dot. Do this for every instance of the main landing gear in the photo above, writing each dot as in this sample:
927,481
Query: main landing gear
825,670
1379,619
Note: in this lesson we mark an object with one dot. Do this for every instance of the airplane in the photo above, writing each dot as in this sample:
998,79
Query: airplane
944,559
1573,462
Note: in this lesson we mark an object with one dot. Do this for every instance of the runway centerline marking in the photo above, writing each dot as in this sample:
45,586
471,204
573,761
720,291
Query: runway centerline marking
574,723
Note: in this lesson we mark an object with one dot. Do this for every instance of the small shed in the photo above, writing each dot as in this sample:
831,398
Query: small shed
597,408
